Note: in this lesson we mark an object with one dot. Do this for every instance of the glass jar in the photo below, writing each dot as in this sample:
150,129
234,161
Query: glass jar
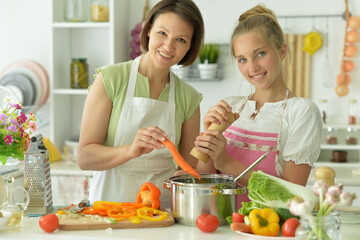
99,10
323,109
331,136
79,73
75,10
351,136
319,228
352,111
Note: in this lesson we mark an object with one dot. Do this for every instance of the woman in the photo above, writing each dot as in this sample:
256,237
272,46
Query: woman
272,118
133,105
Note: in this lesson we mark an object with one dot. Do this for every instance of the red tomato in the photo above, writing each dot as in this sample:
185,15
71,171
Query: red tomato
289,227
49,222
207,222
238,217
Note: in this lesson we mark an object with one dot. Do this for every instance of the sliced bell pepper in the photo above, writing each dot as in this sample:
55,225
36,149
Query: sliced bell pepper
149,195
135,219
105,205
264,222
92,211
120,212
157,214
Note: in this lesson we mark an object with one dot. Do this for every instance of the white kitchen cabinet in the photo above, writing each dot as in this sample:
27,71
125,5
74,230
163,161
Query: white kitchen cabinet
353,150
101,43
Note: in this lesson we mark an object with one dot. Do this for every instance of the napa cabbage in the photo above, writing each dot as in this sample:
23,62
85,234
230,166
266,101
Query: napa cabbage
274,192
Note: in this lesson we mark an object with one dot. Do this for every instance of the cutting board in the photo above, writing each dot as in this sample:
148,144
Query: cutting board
91,224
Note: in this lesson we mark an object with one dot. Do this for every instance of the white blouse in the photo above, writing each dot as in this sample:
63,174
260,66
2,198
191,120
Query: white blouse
300,129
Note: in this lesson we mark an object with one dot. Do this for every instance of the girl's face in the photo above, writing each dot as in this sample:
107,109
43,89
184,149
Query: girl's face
169,40
258,63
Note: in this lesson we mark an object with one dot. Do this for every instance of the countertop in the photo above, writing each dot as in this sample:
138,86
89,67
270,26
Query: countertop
30,230
344,172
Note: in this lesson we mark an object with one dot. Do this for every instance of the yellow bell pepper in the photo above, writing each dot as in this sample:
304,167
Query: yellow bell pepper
264,222
144,213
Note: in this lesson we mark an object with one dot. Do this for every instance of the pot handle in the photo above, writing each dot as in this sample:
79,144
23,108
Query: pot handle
167,184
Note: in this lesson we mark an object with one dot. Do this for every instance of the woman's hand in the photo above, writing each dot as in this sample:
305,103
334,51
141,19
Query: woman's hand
218,114
213,143
146,140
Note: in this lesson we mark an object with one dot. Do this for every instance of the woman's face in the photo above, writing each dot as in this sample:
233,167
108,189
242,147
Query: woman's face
259,64
169,40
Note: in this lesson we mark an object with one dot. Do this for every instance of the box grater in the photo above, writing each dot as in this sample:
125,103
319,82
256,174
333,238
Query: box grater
37,179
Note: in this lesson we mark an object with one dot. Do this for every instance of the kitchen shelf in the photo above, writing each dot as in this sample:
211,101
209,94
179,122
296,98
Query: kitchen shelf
81,25
353,151
193,74
340,147
65,91
101,43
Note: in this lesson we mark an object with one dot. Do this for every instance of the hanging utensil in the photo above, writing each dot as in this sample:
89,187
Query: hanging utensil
328,80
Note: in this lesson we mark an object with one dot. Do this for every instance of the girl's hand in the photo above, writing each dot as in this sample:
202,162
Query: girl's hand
146,140
218,114
213,143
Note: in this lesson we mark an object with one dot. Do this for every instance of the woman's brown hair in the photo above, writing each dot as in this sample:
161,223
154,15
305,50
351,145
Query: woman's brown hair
188,11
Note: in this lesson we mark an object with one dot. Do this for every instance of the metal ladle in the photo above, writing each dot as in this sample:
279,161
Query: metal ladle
241,175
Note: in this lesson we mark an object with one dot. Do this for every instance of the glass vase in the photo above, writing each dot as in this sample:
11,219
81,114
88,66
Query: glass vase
319,227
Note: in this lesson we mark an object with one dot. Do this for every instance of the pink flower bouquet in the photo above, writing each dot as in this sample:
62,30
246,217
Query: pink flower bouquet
15,131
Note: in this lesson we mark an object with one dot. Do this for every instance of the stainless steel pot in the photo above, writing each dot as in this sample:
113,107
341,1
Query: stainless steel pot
191,197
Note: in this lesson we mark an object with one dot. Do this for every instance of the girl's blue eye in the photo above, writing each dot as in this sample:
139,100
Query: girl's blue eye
262,53
241,60
162,33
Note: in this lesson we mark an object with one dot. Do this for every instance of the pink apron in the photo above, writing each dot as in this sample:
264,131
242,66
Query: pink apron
247,146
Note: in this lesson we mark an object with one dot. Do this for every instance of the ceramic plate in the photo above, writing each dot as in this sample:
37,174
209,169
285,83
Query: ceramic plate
259,237
23,83
34,79
39,71
6,93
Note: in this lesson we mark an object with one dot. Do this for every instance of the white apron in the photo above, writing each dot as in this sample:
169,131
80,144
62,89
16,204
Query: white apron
122,183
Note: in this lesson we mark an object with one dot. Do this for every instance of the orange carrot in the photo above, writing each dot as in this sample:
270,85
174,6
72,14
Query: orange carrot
179,159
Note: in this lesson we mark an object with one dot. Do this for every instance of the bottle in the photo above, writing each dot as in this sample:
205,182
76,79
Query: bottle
323,109
352,111
99,10
351,136
331,136
79,73
75,11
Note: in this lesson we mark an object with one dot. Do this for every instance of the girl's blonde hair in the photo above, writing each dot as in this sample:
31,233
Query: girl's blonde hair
263,21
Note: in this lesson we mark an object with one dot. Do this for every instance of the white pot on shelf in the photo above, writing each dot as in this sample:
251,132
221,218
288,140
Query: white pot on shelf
207,70
180,71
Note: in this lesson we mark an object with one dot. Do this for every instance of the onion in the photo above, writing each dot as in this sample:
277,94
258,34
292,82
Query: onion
352,36
343,78
354,22
350,50
348,65
341,90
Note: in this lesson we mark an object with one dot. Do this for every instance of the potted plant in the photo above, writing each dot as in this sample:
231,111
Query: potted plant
208,57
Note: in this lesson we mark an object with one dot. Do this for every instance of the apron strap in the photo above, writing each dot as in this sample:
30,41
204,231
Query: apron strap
130,91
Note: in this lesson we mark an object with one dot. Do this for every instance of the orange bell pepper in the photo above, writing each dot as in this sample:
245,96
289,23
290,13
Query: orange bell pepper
149,195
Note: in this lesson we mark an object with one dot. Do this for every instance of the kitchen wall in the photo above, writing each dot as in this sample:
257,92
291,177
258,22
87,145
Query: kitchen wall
25,30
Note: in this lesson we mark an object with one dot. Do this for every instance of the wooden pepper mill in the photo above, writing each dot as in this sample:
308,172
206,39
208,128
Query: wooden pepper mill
220,127
325,173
